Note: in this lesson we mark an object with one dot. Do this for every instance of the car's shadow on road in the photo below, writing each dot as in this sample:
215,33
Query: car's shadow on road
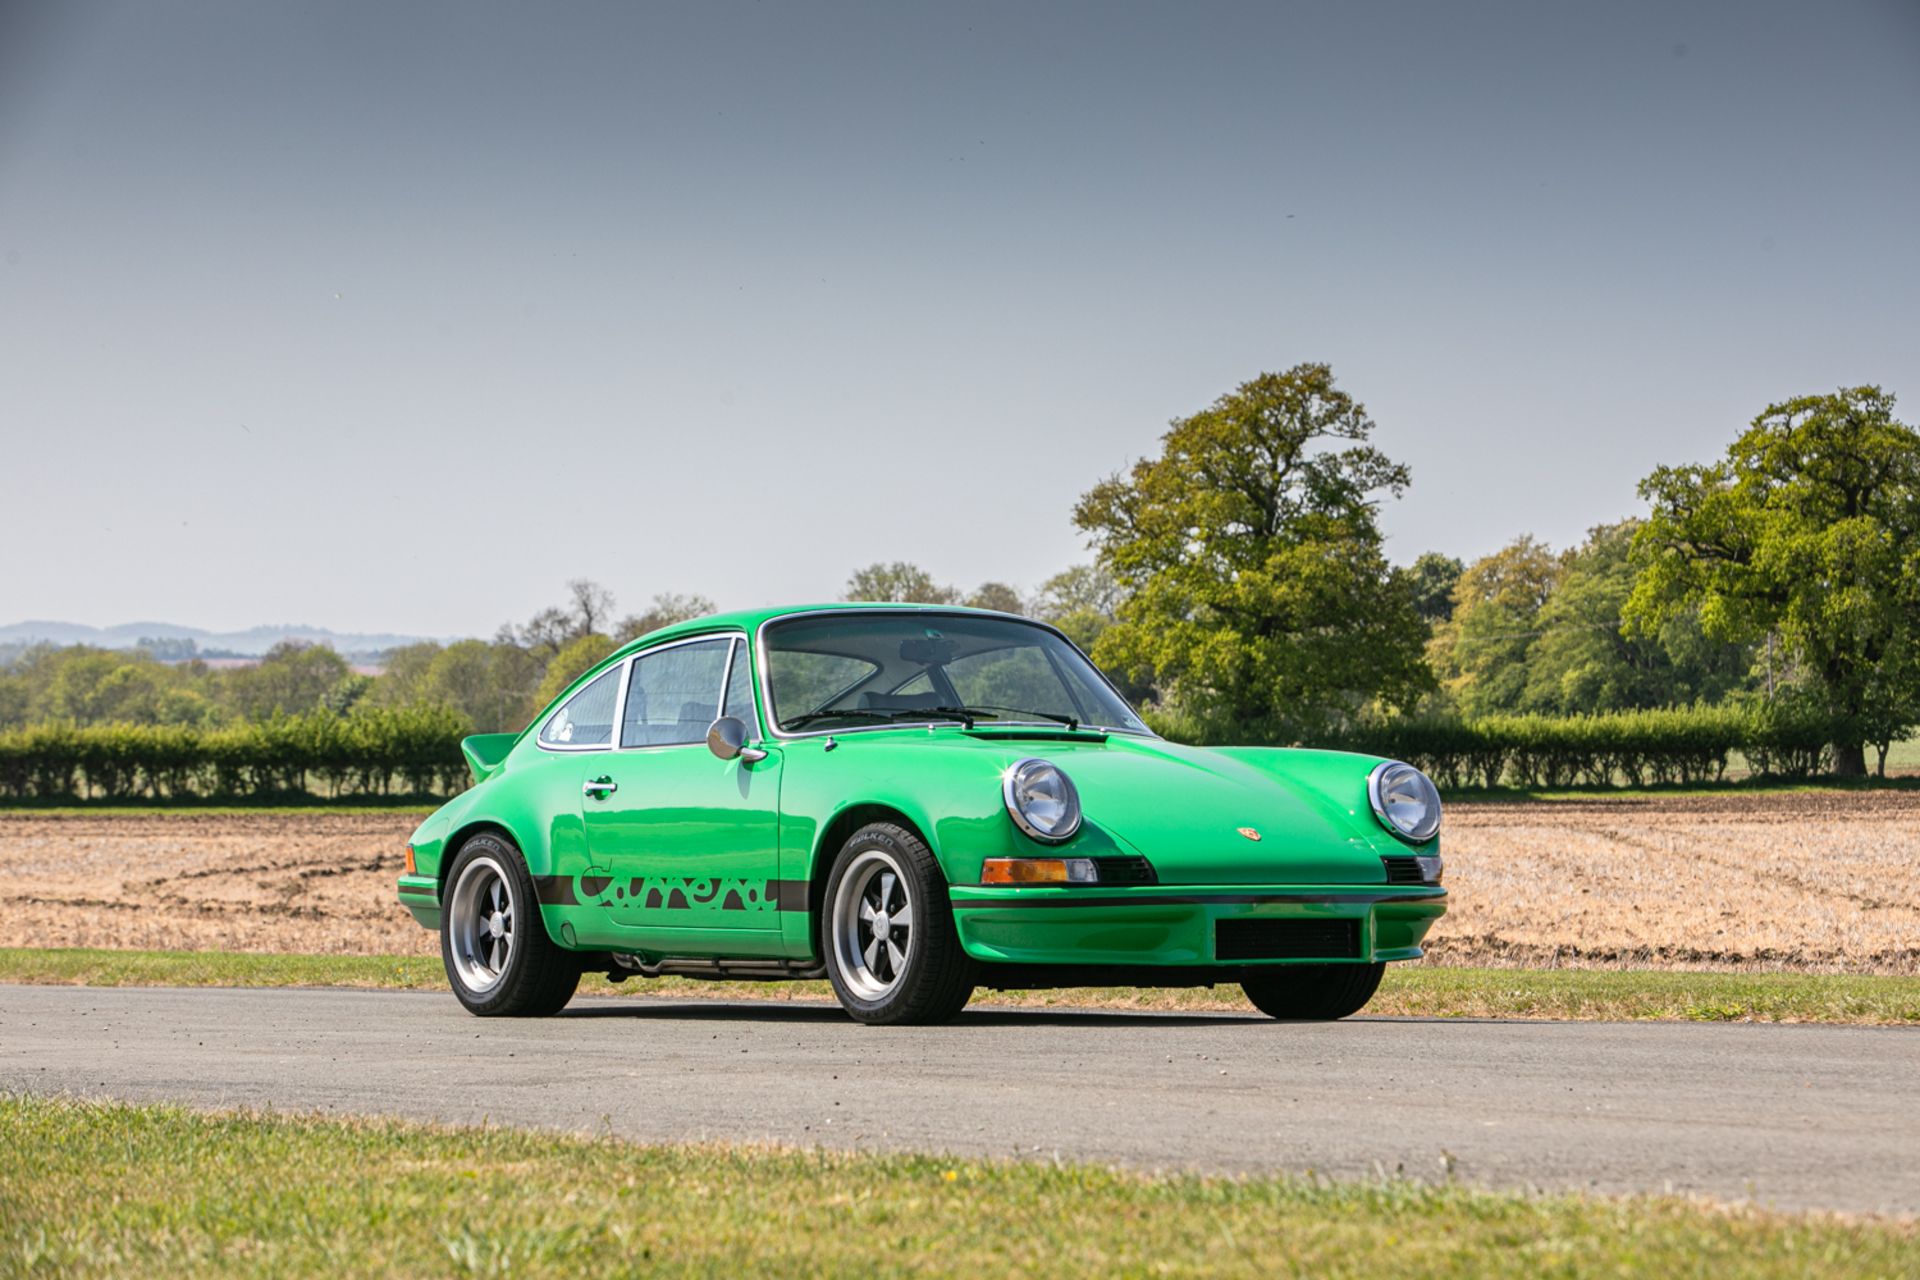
658,1009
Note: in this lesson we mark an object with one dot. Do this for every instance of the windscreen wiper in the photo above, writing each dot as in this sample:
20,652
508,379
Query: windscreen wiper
844,713
1072,722
965,715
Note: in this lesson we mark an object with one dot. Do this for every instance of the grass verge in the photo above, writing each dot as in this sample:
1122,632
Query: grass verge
1409,990
229,807
1728,787
110,1189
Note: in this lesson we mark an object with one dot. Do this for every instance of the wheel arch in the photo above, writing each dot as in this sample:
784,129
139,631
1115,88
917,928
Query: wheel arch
834,833
457,839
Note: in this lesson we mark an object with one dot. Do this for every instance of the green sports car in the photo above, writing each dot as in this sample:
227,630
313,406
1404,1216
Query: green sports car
911,802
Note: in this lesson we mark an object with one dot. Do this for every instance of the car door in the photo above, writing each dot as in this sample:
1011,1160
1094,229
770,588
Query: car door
690,842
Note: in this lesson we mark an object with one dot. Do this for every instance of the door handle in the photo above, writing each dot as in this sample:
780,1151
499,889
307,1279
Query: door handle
600,788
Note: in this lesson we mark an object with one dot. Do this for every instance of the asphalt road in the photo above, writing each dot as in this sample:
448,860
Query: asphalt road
1790,1116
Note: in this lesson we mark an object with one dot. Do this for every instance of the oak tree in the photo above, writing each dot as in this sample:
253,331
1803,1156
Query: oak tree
1258,596
1808,529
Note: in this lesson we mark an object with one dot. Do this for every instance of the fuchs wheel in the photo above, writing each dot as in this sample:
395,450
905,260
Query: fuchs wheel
1314,992
497,953
893,955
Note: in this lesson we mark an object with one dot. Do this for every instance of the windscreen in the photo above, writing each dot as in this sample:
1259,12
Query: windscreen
847,670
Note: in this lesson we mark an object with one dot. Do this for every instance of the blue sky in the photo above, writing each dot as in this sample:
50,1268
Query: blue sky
395,317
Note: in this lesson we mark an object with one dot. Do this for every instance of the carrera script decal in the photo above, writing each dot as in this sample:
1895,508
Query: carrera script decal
623,895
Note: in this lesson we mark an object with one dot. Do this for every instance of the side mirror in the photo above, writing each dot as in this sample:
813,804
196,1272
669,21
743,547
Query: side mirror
727,738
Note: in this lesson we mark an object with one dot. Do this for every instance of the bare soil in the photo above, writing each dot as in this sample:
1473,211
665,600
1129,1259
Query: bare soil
1814,881
308,882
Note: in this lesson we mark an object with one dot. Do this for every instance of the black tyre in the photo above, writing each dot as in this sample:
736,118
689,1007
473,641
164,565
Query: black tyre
886,926
1314,992
498,956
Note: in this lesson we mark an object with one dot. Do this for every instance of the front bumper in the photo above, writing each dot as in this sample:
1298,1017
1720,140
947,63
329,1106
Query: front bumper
421,895
1171,925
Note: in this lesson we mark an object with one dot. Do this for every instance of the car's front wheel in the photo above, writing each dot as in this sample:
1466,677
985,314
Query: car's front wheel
1314,992
497,953
893,954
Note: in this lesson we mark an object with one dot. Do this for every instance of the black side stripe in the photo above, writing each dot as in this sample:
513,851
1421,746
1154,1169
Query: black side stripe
413,891
555,891
1196,899
788,895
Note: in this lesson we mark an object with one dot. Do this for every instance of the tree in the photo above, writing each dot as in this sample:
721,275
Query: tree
568,664
899,581
87,686
667,609
491,686
1259,597
294,677
15,696
996,595
1808,529
403,682
1085,588
1480,652
1082,602
543,633
1585,660
1434,578
591,607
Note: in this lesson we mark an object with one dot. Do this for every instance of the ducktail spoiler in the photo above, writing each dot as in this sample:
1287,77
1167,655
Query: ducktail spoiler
485,752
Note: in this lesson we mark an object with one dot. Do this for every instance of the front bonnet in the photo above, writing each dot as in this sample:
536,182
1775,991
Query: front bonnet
1255,817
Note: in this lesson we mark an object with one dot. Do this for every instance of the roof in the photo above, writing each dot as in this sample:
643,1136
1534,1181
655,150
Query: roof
749,620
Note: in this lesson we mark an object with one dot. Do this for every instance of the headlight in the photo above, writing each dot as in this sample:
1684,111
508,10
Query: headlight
1405,801
1042,801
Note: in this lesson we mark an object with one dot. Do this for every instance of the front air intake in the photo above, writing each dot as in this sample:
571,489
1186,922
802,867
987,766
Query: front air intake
1404,871
1257,939
1126,871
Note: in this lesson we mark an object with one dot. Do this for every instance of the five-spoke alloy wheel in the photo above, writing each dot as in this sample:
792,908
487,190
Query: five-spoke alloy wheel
481,908
887,929
873,924
495,947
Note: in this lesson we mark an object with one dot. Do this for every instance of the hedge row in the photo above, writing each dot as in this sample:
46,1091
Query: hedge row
1631,747
416,751
369,752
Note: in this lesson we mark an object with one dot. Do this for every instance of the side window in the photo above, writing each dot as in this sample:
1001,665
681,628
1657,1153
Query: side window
674,694
740,688
586,719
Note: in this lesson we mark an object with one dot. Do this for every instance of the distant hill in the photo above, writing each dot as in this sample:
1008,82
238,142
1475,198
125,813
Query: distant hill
252,642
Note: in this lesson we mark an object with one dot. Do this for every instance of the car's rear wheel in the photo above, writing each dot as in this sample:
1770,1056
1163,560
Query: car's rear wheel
893,954
1314,992
497,953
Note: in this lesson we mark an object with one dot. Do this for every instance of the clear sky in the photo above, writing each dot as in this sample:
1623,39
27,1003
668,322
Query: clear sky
396,316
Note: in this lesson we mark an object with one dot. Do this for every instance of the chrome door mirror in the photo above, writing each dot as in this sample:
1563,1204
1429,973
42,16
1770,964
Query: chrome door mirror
727,738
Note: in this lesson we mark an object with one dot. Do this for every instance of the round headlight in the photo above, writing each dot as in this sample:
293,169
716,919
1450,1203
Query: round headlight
1042,801
1405,801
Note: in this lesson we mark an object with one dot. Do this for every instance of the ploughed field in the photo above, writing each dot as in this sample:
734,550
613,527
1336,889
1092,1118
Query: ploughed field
1808,880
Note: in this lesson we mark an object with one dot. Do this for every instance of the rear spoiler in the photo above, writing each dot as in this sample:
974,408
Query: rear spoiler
485,752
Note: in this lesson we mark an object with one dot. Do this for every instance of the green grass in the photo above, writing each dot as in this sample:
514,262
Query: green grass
1903,757
1730,787
90,1189
1409,990
146,806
